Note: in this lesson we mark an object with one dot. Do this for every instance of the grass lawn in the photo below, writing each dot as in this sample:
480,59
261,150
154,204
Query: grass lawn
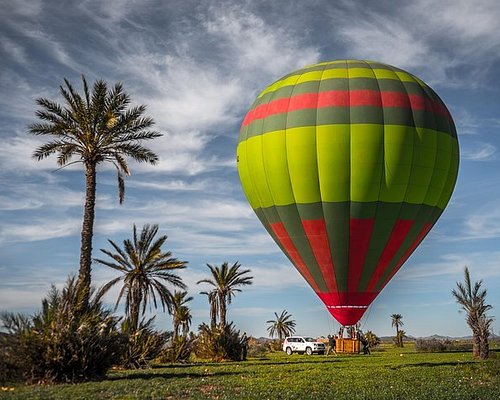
387,374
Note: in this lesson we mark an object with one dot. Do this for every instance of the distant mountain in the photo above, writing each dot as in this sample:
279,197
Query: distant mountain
436,337
390,339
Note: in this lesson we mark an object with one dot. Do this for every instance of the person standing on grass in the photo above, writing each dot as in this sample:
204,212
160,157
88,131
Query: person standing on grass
366,344
244,346
331,345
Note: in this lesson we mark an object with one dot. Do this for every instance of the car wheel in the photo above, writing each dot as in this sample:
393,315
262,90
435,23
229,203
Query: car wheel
289,351
309,351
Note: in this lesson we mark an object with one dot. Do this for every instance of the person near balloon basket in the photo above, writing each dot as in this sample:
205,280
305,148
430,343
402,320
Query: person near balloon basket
331,345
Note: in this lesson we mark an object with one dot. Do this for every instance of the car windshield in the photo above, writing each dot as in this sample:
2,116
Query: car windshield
309,339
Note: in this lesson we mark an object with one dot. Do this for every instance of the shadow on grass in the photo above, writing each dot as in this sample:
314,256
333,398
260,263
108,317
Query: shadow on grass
430,364
295,362
172,366
166,375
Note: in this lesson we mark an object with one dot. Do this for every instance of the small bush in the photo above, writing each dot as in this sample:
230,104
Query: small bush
373,340
439,346
257,349
11,365
275,345
178,349
142,345
218,344
64,342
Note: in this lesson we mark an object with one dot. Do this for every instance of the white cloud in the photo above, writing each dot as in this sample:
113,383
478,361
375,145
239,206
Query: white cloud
467,123
14,50
53,47
24,8
480,152
482,265
17,154
413,37
29,196
177,185
484,224
35,229
256,47
109,12
26,297
276,276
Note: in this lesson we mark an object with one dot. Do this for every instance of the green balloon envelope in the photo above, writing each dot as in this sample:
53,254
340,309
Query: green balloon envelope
348,164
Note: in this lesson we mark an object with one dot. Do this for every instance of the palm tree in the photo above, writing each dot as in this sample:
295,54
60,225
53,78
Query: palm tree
225,281
145,270
180,312
214,306
184,318
472,299
397,322
282,326
96,128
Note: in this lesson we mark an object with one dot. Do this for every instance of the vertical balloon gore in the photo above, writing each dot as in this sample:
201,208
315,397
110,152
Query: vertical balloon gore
348,164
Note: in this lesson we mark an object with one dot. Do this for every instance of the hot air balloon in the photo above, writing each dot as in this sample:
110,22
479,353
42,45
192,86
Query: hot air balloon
348,164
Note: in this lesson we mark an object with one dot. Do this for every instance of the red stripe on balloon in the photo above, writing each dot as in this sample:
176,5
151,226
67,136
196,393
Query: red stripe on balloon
425,230
284,238
344,98
398,235
315,231
346,307
360,232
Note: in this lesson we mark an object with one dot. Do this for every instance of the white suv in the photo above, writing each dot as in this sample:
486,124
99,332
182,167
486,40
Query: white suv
303,344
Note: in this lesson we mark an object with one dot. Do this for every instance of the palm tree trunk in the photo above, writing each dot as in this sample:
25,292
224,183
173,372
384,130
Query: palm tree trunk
134,316
222,311
484,347
476,345
213,315
84,273
176,329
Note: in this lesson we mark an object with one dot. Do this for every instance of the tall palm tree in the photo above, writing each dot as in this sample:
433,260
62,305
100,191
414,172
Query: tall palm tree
213,301
282,326
472,299
225,281
145,271
98,127
181,315
397,322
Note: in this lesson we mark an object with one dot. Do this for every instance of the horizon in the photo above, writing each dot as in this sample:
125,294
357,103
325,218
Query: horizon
198,67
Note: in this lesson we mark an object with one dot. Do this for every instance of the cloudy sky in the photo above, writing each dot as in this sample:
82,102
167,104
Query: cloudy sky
198,65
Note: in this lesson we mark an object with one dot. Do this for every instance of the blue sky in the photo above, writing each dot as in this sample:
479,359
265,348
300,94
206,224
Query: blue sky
198,66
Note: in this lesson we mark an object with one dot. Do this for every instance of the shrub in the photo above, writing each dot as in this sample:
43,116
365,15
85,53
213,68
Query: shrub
218,344
142,345
178,350
275,345
11,361
257,348
439,346
372,339
63,342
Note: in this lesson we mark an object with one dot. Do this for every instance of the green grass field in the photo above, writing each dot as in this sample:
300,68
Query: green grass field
387,374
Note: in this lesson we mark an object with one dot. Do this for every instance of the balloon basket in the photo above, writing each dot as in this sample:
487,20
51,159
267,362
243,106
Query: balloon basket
347,346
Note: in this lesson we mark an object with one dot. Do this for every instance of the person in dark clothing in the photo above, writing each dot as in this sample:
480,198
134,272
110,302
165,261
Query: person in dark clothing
331,345
366,345
244,346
